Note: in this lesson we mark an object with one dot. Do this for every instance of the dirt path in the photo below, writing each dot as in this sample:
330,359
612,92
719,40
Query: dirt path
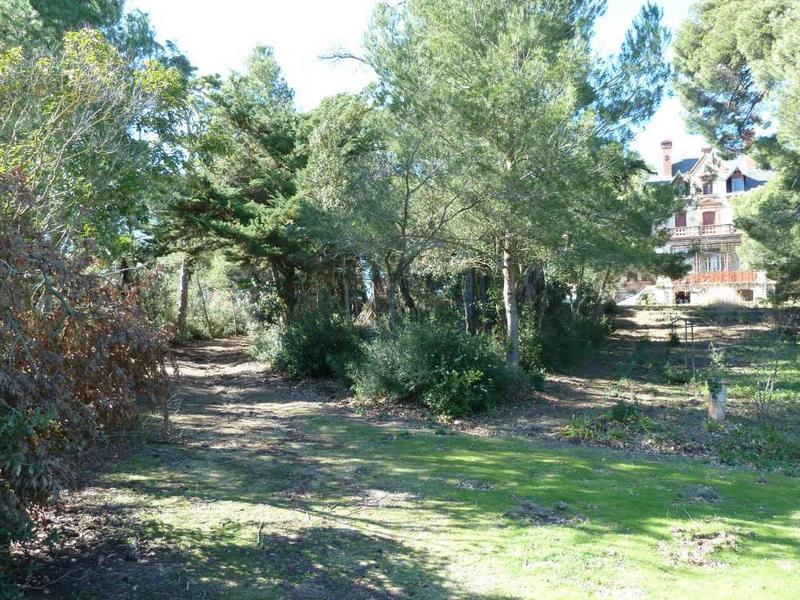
235,423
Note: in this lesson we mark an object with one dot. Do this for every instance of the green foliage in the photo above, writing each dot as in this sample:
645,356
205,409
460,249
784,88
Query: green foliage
528,112
242,190
563,337
615,426
676,374
438,366
763,447
46,21
317,343
67,119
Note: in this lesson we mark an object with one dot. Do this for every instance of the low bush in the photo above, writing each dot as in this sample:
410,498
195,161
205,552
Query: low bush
615,426
77,353
562,338
315,344
440,367
676,374
764,447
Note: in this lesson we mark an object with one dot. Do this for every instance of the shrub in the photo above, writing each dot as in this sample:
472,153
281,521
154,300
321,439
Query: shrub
315,344
440,367
77,352
629,415
623,421
676,374
763,447
267,343
562,338
583,429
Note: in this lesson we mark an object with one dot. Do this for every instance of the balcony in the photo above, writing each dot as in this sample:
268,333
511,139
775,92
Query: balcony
720,278
701,230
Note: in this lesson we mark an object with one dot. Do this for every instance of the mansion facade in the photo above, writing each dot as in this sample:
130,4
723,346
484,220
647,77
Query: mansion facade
705,231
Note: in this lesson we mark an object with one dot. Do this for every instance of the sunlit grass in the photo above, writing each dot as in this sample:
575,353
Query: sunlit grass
426,516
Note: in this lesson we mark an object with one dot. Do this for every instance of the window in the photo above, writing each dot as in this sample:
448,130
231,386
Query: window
746,295
711,263
709,217
708,187
737,182
680,219
715,263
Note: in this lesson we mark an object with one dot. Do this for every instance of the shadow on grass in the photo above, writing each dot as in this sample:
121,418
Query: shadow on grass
359,497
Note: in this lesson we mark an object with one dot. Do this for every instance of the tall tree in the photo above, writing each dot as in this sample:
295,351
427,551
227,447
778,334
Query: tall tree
243,192
385,185
46,21
73,119
516,82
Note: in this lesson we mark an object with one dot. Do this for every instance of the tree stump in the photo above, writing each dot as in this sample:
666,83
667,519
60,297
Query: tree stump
717,400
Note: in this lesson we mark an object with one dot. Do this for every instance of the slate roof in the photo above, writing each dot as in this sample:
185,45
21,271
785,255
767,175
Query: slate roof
755,177
683,166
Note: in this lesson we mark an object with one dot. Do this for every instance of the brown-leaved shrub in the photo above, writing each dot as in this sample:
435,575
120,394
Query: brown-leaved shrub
77,353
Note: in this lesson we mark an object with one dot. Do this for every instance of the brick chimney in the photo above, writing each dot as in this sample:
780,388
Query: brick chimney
666,163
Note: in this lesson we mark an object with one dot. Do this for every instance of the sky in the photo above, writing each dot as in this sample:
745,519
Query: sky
218,35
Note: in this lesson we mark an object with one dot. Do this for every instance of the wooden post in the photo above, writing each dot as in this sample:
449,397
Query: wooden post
717,399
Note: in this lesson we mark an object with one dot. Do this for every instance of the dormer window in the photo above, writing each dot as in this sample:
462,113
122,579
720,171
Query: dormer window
708,187
736,182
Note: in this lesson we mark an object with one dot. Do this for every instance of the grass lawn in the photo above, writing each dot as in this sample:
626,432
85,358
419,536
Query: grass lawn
359,511
270,491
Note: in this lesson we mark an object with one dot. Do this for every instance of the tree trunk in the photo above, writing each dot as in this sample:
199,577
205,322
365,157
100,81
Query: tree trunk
510,303
482,310
405,292
183,294
346,289
392,292
127,273
470,309
235,314
535,289
285,278
203,305
597,309
379,289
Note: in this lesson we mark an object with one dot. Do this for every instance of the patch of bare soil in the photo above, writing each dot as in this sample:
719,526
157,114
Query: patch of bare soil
700,494
372,498
82,543
701,549
536,514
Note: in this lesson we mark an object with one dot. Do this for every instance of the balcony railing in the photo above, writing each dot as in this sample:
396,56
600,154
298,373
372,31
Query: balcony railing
700,230
720,277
